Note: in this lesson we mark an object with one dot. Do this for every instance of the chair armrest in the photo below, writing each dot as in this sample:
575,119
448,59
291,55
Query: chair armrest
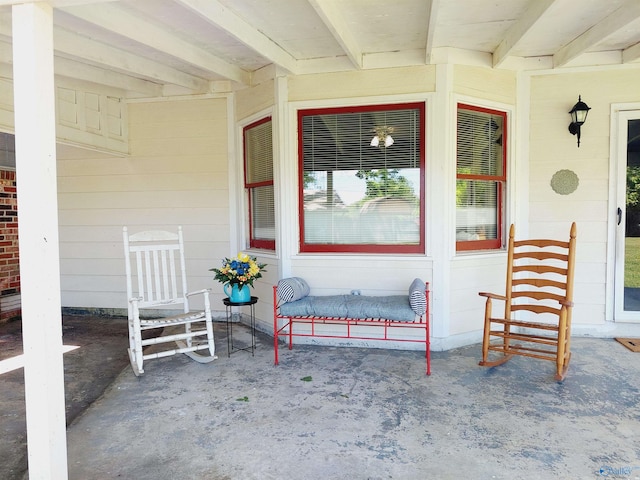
205,291
566,303
493,296
158,303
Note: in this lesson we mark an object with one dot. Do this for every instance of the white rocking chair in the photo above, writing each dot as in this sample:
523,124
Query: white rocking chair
157,280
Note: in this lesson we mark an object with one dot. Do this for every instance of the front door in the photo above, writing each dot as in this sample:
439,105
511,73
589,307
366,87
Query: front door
627,276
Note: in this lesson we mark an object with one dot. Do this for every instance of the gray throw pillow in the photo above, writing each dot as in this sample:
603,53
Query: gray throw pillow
292,289
418,297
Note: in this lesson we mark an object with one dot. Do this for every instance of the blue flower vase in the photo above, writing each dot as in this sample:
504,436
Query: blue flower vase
237,295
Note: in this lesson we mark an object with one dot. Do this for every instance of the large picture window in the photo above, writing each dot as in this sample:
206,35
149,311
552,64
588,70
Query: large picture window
258,182
362,179
480,178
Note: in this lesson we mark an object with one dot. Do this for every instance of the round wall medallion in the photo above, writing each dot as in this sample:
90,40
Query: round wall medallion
564,182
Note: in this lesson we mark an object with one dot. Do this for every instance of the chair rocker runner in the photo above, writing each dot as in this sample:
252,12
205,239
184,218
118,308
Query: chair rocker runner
157,281
539,286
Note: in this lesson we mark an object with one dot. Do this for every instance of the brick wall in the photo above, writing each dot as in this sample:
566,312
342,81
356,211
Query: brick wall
9,259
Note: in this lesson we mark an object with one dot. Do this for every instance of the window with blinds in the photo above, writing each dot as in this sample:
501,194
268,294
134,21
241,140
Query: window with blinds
356,197
258,182
480,177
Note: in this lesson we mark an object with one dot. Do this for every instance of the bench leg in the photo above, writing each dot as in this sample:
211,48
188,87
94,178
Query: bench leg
275,347
428,348
428,361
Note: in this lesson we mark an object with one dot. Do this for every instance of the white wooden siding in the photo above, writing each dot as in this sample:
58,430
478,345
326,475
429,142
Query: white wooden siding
178,173
553,149
471,274
494,85
363,83
175,175
372,276
250,101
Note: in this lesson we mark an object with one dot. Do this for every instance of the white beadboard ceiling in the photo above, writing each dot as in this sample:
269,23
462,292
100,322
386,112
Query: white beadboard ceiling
167,47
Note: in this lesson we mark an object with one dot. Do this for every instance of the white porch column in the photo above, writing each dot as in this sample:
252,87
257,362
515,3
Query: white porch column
34,99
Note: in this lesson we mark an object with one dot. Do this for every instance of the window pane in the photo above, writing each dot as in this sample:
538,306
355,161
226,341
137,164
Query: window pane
7,150
258,161
362,207
263,213
476,210
481,177
358,194
258,150
479,143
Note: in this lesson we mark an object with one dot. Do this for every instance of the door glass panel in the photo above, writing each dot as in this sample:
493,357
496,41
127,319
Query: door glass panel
632,220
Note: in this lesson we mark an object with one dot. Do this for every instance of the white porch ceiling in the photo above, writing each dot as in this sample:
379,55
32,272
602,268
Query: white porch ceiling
166,47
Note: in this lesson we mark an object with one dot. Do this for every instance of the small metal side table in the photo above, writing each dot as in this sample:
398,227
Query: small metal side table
228,305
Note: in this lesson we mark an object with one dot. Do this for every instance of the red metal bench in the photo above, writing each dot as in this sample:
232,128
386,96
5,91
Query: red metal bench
283,325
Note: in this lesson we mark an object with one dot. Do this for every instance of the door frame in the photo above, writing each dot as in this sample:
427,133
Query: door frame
620,116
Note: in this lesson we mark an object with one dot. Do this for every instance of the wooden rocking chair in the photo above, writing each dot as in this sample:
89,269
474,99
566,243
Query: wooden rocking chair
157,281
539,287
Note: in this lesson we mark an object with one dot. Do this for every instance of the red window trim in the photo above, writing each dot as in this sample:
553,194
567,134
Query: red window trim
493,244
253,242
352,247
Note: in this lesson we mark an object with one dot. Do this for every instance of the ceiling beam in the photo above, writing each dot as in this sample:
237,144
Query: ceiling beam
519,29
329,12
626,14
432,17
54,3
100,54
133,27
82,71
217,14
83,49
631,54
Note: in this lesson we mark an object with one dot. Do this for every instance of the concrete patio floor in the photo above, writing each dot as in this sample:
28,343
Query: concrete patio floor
352,413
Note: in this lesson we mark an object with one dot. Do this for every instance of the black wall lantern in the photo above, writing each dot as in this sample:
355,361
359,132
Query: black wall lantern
578,116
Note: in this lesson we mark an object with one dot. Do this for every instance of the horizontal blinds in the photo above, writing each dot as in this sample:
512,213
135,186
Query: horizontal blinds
479,143
342,141
263,213
258,152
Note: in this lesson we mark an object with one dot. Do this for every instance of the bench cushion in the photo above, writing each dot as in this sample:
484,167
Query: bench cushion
391,307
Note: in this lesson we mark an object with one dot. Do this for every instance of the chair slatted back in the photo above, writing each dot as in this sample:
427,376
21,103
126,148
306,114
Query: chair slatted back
540,274
155,267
